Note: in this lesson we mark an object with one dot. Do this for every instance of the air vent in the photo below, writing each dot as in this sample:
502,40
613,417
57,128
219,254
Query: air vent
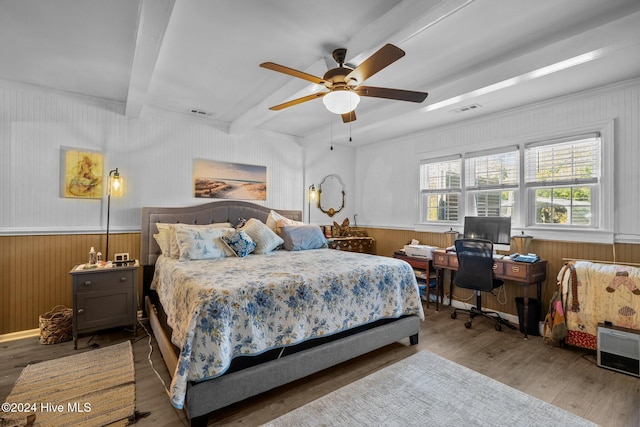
200,112
467,108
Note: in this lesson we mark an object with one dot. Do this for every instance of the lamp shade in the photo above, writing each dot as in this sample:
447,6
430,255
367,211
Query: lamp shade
341,101
313,195
451,237
115,185
522,243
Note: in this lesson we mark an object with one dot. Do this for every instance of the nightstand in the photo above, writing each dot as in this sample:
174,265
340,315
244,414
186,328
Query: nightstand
104,298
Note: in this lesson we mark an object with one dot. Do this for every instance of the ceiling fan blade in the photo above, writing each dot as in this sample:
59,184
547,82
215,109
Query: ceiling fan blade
298,101
398,94
386,55
349,117
292,72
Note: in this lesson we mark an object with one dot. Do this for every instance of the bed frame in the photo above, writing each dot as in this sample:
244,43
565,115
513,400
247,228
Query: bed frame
207,396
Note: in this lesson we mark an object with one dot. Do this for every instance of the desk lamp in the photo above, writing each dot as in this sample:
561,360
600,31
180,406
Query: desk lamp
451,237
522,243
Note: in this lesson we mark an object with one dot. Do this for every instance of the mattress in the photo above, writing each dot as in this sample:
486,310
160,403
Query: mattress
224,308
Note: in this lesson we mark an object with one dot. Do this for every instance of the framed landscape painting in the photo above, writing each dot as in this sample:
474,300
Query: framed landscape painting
81,173
223,180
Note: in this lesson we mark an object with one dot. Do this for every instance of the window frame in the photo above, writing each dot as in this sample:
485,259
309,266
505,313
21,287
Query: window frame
473,190
531,187
425,192
602,230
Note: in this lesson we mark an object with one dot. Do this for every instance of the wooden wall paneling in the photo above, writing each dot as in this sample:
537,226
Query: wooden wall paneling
35,277
34,270
390,240
4,284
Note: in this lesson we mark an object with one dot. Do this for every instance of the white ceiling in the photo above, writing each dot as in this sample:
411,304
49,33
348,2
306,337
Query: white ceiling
179,55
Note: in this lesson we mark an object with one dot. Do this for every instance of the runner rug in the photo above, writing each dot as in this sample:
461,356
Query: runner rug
94,388
428,390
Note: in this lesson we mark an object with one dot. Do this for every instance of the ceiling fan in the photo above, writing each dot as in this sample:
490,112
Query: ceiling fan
345,83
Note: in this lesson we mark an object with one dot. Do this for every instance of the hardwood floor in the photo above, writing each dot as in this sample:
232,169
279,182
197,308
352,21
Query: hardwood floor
567,378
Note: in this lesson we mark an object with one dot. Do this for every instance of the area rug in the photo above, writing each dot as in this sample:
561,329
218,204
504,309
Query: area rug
94,388
428,390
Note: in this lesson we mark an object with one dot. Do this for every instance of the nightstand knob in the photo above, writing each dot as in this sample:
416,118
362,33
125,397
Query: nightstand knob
80,310
87,283
123,279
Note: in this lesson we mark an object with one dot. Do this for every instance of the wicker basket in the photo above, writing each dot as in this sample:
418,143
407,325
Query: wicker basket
55,325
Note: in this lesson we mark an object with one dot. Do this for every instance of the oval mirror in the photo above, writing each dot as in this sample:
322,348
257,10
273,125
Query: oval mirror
331,195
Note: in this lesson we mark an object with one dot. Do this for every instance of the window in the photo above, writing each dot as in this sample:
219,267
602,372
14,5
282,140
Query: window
562,180
440,187
492,182
547,184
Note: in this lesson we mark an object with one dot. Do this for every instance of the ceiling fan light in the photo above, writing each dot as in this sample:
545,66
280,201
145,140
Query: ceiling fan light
341,101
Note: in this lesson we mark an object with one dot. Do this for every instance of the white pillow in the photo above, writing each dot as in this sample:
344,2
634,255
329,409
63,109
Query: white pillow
200,242
174,248
265,239
272,220
162,237
219,225
275,222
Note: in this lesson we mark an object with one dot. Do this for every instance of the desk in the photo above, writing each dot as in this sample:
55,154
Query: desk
523,273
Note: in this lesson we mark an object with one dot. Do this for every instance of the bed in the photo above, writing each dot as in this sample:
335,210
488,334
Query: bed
232,327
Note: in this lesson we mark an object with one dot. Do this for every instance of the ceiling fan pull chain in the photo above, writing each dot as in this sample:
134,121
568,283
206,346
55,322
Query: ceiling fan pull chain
350,121
331,127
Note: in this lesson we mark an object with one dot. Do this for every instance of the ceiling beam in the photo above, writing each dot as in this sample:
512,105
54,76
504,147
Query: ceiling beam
153,19
591,45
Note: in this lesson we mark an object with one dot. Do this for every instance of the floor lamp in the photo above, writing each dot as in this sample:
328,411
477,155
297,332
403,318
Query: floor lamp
311,197
115,187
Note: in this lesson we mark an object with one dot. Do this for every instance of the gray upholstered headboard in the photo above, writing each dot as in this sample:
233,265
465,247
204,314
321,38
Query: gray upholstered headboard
208,213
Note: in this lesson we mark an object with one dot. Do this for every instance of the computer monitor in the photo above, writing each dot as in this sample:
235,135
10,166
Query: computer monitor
497,229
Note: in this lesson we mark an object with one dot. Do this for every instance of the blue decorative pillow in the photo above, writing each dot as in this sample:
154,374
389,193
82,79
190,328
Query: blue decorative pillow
303,237
239,242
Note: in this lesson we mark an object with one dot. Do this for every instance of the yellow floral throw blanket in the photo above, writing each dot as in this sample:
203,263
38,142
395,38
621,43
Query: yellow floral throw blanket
595,293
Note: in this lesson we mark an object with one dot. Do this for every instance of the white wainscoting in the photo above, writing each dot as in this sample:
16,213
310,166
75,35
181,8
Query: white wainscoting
154,155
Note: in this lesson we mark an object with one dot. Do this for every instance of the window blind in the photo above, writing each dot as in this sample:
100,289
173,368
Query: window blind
441,176
566,163
492,171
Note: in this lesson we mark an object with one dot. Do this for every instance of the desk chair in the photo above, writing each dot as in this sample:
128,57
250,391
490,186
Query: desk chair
475,271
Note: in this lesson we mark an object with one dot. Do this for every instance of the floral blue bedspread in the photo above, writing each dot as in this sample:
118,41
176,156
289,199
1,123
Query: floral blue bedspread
223,308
